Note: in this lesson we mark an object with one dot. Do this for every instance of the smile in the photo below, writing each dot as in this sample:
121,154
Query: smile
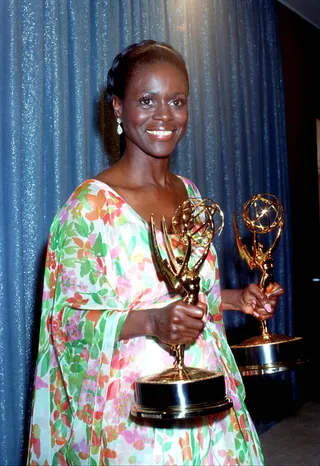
160,133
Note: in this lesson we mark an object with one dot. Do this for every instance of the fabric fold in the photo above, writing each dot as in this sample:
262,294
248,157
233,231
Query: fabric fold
99,268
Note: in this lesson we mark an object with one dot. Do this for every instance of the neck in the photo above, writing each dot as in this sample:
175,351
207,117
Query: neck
144,169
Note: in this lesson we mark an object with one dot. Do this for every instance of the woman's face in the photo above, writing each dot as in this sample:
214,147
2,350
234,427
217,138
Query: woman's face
154,110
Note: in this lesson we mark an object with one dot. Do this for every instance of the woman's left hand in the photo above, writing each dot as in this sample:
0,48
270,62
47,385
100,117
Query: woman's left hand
261,305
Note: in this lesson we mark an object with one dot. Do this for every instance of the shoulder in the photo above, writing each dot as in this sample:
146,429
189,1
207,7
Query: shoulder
191,187
93,193
90,201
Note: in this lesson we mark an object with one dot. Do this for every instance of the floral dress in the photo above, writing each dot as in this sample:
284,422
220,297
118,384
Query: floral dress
99,267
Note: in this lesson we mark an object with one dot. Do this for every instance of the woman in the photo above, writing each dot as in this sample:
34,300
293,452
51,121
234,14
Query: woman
105,309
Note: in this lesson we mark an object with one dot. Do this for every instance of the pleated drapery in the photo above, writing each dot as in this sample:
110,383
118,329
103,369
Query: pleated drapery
54,58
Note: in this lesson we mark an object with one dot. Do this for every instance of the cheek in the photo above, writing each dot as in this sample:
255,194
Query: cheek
183,119
133,117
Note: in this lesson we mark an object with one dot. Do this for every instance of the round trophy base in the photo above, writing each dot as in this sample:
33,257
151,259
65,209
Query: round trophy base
270,353
175,394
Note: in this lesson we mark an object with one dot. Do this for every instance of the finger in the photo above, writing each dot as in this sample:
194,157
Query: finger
260,300
258,312
274,290
256,292
182,336
203,306
190,323
261,314
262,318
196,312
188,333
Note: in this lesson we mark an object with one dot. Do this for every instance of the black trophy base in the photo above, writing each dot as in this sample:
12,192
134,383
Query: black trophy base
174,395
268,354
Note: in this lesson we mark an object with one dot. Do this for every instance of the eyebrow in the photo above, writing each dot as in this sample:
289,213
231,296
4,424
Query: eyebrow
172,94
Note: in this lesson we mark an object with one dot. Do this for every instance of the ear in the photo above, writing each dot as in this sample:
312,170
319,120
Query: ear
117,107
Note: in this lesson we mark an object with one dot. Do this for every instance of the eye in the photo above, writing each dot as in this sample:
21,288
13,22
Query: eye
146,101
177,103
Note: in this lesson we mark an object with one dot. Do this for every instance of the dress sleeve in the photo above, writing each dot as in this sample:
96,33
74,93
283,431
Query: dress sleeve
80,324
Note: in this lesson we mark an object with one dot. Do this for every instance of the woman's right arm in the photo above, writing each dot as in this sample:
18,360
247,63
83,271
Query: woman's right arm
176,324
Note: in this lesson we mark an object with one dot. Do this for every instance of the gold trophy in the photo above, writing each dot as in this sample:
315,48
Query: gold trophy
181,392
268,352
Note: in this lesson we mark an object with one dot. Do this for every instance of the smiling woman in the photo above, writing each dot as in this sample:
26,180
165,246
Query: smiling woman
107,315
154,109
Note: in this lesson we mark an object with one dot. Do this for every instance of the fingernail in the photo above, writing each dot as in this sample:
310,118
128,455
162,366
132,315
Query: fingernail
268,308
256,314
253,303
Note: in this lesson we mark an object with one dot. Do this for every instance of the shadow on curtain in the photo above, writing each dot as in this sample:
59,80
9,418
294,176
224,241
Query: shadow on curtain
55,56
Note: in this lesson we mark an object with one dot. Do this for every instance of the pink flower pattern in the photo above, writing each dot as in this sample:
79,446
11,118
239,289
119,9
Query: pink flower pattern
84,385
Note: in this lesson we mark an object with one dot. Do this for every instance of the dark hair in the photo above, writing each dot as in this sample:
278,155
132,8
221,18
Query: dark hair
143,53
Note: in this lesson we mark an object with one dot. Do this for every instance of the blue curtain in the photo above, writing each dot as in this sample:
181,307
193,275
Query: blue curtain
54,57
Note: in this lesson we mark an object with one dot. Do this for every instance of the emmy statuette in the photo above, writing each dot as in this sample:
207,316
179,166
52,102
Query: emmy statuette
268,352
181,392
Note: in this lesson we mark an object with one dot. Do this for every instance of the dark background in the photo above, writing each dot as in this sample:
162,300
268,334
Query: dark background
300,43
270,397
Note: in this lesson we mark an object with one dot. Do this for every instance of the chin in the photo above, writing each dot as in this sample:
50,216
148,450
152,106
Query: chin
161,154
161,150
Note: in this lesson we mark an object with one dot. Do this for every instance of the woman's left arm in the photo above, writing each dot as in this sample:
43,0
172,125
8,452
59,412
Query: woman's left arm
252,300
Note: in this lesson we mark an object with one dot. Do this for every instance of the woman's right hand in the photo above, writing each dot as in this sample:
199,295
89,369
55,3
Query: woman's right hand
178,323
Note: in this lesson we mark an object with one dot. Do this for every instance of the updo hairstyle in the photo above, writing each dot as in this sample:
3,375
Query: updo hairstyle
136,56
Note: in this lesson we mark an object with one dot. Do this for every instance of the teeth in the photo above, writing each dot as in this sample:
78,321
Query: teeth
160,133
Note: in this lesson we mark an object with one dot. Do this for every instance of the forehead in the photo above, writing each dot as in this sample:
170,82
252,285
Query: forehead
158,77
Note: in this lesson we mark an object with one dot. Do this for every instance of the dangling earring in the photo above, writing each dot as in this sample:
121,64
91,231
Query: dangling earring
119,128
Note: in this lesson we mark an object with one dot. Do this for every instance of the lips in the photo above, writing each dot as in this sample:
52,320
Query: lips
161,134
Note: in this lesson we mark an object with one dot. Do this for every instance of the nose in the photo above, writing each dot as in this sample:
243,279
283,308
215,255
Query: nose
163,112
